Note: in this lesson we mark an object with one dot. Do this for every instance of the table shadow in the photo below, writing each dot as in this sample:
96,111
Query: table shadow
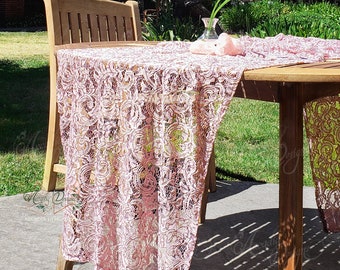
248,240
230,188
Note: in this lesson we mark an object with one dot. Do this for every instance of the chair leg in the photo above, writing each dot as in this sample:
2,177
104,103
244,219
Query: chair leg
63,264
210,186
212,172
52,151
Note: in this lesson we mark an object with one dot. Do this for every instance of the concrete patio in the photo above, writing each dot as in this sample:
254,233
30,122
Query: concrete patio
240,231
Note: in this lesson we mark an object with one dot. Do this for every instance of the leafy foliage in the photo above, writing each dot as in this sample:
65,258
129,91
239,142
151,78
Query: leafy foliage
241,17
168,27
268,18
174,30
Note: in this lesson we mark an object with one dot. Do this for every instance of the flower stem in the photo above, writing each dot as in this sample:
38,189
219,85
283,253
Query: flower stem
217,7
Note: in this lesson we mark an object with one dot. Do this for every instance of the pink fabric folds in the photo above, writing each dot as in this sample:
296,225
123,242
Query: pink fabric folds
137,127
322,122
224,45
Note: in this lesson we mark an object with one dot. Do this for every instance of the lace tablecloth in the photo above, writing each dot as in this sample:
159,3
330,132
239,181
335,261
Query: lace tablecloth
137,126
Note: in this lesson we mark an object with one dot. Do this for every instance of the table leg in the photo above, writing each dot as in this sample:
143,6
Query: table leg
291,177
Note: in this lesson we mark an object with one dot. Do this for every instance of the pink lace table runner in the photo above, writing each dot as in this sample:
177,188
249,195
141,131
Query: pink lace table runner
137,127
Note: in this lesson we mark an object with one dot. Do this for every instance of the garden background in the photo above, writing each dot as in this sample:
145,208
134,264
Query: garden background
247,142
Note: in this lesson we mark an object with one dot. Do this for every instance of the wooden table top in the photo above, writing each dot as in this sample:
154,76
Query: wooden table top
328,71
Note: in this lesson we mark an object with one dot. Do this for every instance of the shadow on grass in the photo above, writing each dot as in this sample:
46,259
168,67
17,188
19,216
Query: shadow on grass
24,101
228,175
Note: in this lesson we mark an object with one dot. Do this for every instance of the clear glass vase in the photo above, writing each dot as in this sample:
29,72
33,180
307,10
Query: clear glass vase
209,30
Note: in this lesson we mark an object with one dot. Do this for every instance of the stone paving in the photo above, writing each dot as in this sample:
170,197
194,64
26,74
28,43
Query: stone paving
240,231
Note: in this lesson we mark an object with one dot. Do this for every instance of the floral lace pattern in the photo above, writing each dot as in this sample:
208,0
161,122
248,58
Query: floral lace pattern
322,117
138,126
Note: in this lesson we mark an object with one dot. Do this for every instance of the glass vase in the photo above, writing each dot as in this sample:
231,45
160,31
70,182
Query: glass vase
209,30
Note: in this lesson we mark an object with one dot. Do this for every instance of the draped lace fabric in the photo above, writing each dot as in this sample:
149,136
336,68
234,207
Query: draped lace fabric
137,127
322,117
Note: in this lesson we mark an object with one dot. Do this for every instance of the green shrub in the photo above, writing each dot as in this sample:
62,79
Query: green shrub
241,17
269,18
175,31
317,20
168,27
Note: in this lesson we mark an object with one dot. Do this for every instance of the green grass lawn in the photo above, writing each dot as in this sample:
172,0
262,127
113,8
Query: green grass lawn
24,97
246,146
247,143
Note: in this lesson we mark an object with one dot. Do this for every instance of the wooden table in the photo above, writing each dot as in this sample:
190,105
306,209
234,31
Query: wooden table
291,86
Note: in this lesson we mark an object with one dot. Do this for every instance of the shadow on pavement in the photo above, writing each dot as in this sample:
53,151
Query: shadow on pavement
248,239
